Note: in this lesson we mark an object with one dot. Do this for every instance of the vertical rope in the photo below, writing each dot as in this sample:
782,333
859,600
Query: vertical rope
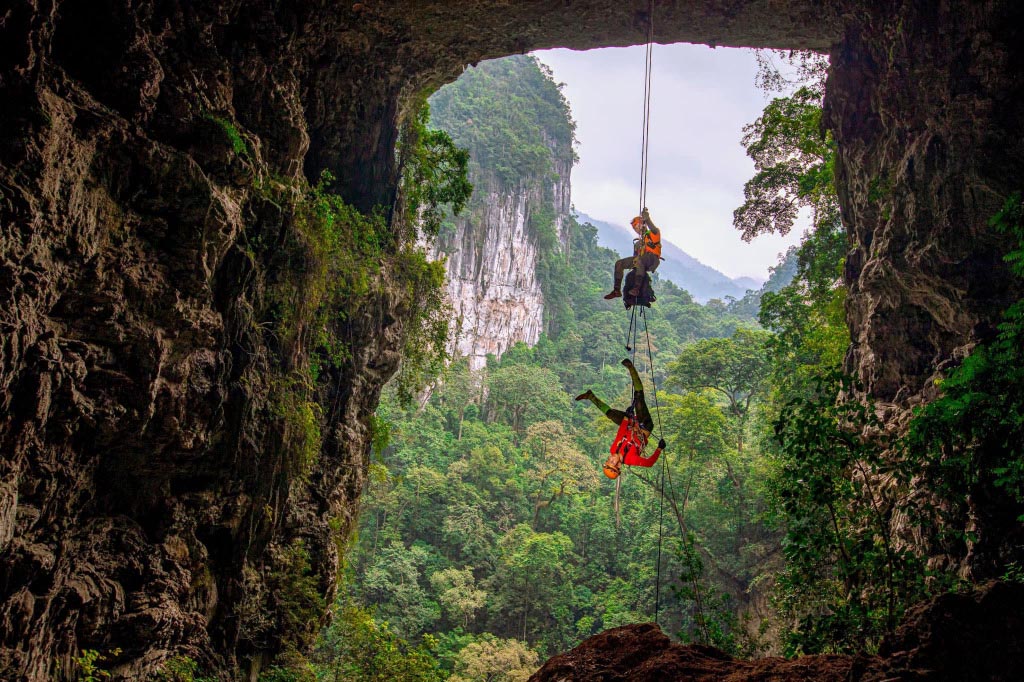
650,364
661,517
636,328
630,333
661,475
648,69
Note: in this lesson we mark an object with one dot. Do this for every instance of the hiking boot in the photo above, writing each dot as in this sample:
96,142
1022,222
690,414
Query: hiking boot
626,362
585,396
615,293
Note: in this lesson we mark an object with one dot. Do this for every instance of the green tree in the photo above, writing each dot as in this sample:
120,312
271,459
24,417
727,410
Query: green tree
491,659
794,157
521,395
532,567
735,368
848,579
458,594
393,582
356,648
558,468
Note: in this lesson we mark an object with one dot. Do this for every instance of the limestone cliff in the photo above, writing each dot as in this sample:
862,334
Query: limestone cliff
492,268
521,173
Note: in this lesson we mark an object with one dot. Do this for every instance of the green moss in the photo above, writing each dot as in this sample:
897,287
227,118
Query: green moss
179,669
232,133
296,593
328,261
301,415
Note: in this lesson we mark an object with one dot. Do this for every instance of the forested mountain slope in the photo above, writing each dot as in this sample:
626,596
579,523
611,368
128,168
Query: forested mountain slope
516,126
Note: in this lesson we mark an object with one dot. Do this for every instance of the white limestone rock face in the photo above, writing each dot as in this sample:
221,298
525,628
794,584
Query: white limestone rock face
492,265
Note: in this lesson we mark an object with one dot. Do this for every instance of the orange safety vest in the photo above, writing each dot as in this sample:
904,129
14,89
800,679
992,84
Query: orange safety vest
652,243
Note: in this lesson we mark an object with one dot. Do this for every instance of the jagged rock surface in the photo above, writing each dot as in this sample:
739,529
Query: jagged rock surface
973,637
927,107
918,98
492,265
146,499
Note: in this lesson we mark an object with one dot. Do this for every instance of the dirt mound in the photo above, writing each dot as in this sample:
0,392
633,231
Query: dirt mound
642,653
972,636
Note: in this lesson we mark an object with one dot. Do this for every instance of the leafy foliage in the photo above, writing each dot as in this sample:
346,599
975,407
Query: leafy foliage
794,162
435,173
972,436
848,578
231,132
495,660
356,648
297,598
510,115
89,664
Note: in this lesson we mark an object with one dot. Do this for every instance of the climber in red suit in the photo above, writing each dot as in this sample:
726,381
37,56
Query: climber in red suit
633,434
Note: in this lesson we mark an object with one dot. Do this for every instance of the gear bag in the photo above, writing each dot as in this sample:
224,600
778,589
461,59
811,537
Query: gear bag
644,298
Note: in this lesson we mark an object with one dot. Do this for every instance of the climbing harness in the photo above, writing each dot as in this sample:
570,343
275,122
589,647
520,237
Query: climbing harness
630,442
652,242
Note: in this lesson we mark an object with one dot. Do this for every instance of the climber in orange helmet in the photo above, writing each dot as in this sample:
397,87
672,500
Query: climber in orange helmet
635,426
646,255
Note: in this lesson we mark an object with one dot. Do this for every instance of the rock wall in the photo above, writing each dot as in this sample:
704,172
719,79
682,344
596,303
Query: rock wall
926,104
149,495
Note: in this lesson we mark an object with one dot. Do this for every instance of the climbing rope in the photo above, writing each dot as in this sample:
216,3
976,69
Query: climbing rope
661,475
631,335
635,318
648,67
644,156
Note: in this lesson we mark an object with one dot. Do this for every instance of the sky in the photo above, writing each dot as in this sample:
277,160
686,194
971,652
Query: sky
701,98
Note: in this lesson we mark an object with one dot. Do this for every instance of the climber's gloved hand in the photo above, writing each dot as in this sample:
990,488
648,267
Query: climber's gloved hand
661,444
645,214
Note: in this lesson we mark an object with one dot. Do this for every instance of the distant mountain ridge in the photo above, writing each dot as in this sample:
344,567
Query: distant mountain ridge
702,281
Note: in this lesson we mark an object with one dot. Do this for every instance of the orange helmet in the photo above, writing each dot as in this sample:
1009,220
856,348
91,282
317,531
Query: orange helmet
637,222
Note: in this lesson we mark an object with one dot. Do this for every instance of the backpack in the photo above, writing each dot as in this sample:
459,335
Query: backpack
644,298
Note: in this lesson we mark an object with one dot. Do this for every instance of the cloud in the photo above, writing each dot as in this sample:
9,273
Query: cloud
701,99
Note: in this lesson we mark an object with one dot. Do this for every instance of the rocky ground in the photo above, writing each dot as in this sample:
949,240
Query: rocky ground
956,637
